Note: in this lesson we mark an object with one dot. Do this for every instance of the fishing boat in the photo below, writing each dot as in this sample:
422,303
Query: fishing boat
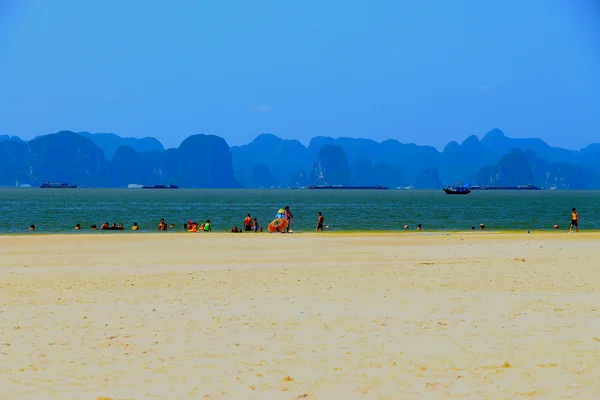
458,189
48,185
160,187
376,187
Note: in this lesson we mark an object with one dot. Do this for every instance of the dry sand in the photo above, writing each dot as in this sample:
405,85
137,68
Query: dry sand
305,316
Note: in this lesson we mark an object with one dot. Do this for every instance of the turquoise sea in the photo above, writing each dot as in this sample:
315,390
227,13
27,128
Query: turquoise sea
58,210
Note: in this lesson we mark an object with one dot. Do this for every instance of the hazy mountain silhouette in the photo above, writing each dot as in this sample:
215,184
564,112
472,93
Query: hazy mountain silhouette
269,161
109,143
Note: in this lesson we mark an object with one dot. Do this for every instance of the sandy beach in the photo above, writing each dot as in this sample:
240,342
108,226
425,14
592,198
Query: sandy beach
307,316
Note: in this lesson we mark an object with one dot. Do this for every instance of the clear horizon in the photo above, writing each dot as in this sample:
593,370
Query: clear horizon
425,73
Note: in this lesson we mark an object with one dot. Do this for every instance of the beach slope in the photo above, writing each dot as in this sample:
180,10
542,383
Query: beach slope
305,316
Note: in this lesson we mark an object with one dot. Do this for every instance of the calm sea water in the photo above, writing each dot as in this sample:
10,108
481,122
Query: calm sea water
58,210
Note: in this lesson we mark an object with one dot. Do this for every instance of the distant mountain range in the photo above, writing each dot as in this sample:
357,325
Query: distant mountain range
203,161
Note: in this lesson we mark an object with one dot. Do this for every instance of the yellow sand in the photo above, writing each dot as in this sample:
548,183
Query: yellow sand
304,316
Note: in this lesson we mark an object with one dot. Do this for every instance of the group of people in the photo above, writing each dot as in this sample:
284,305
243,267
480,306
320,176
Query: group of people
250,224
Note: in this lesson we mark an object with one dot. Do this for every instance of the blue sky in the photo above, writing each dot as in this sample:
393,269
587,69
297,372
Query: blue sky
419,71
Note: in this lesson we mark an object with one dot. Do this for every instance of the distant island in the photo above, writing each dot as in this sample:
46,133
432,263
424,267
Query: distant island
207,161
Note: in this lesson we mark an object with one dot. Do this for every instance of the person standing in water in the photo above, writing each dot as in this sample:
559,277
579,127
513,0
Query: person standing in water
320,221
288,216
574,221
248,223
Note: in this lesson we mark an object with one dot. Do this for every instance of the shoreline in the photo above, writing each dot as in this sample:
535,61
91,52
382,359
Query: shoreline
398,232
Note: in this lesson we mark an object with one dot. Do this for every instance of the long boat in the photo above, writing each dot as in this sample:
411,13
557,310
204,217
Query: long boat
160,187
350,187
48,185
521,187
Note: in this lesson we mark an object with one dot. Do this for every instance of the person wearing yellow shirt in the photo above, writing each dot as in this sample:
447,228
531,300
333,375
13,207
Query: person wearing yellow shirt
135,227
574,221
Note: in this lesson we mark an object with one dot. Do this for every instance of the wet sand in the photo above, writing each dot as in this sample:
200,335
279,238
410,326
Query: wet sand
306,316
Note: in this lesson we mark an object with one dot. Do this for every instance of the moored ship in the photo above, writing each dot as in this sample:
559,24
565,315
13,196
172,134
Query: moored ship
351,187
521,187
48,185
161,187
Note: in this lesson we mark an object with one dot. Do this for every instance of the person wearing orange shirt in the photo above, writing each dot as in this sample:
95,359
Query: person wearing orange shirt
248,223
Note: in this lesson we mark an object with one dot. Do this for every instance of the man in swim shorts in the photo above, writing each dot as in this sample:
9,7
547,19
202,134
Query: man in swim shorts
574,221
320,221
248,223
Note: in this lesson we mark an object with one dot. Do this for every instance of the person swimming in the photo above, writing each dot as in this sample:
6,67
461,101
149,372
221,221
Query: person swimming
104,226
32,227
135,227
77,227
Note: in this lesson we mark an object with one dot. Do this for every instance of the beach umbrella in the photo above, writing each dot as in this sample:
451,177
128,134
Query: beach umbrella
278,224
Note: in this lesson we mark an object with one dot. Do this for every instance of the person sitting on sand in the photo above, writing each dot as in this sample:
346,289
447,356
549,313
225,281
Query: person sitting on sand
260,229
135,227
162,226
77,227
207,226
32,227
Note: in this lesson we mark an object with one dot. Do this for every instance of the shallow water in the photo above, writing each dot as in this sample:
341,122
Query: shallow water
58,210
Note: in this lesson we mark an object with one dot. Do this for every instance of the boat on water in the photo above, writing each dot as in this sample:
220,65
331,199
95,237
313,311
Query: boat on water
48,185
161,187
376,187
521,187
458,189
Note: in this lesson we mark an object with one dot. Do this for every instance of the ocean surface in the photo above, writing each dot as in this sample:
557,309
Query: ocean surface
58,210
